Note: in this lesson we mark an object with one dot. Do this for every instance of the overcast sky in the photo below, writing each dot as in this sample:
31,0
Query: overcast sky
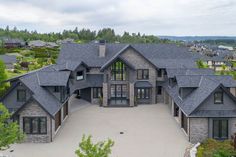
158,17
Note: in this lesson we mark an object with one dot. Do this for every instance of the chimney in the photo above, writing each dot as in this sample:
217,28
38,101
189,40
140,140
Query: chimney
102,48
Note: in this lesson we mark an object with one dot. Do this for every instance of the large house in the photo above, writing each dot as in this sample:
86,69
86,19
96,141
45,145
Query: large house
124,75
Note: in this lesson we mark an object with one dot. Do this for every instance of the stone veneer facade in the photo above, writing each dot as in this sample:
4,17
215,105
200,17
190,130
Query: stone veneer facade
33,110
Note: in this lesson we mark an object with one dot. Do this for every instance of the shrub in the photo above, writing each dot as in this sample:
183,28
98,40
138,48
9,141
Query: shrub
214,148
88,149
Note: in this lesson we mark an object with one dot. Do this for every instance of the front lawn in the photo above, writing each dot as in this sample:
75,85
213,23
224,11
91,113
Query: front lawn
214,148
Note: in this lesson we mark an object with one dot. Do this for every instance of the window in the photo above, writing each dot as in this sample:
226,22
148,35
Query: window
80,75
97,92
220,129
35,125
142,74
118,91
159,73
56,89
159,90
143,93
218,98
21,95
118,71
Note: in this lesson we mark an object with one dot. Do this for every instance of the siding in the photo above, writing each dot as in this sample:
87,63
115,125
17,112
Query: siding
10,101
208,104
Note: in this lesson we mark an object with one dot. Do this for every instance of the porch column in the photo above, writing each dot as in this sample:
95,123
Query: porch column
131,94
105,94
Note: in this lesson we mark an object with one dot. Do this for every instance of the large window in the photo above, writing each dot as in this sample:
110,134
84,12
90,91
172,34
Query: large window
118,91
21,95
142,74
220,129
118,71
218,98
35,125
143,93
80,75
97,92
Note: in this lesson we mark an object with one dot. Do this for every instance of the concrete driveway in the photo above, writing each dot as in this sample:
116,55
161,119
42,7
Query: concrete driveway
149,131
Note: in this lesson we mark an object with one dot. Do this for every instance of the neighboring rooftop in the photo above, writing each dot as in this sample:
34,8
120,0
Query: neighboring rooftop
8,59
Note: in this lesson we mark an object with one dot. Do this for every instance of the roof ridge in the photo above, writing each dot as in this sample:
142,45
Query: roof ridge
200,81
38,78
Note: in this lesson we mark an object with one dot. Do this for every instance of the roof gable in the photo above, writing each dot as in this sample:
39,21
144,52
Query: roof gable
118,55
227,92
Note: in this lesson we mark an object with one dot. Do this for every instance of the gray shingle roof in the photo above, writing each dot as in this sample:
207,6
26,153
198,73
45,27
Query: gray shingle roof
204,87
92,80
8,59
188,80
50,103
161,55
143,84
172,72
214,113
53,78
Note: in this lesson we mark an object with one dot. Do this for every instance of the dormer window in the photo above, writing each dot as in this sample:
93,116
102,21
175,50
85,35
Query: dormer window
218,98
21,95
80,75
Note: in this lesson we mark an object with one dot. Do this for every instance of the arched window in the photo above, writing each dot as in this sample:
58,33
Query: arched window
118,71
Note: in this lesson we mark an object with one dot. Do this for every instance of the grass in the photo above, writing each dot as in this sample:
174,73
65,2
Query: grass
214,148
232,73
14,74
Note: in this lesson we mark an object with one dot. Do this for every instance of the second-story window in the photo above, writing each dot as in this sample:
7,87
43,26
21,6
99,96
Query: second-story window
142,74
218,98
80,75
21,95
118,71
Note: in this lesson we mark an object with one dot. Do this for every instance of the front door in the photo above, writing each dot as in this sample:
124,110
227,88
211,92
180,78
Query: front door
220,129
118,94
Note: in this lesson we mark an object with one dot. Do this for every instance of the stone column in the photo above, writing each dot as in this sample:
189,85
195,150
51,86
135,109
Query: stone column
131,94
105,94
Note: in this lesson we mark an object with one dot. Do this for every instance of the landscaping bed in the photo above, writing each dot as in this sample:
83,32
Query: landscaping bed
214,148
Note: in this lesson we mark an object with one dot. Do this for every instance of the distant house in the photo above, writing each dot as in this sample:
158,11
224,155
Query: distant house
37,43
230,48
11,43
51,44
9,60
64,41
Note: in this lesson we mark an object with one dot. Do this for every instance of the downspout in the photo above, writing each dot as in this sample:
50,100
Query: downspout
51,128
189,129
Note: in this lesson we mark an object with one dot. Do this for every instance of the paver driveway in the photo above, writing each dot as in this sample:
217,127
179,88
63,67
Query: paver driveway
149,131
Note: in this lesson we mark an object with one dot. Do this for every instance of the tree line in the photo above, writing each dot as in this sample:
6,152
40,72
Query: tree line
82,35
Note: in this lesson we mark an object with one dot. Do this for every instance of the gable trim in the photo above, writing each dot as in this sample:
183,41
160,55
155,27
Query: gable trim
119,53
27,102
223,88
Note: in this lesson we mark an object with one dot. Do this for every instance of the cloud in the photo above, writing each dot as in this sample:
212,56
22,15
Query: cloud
165,17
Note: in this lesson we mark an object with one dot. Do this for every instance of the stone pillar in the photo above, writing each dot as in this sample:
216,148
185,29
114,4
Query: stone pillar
131,94
105,94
